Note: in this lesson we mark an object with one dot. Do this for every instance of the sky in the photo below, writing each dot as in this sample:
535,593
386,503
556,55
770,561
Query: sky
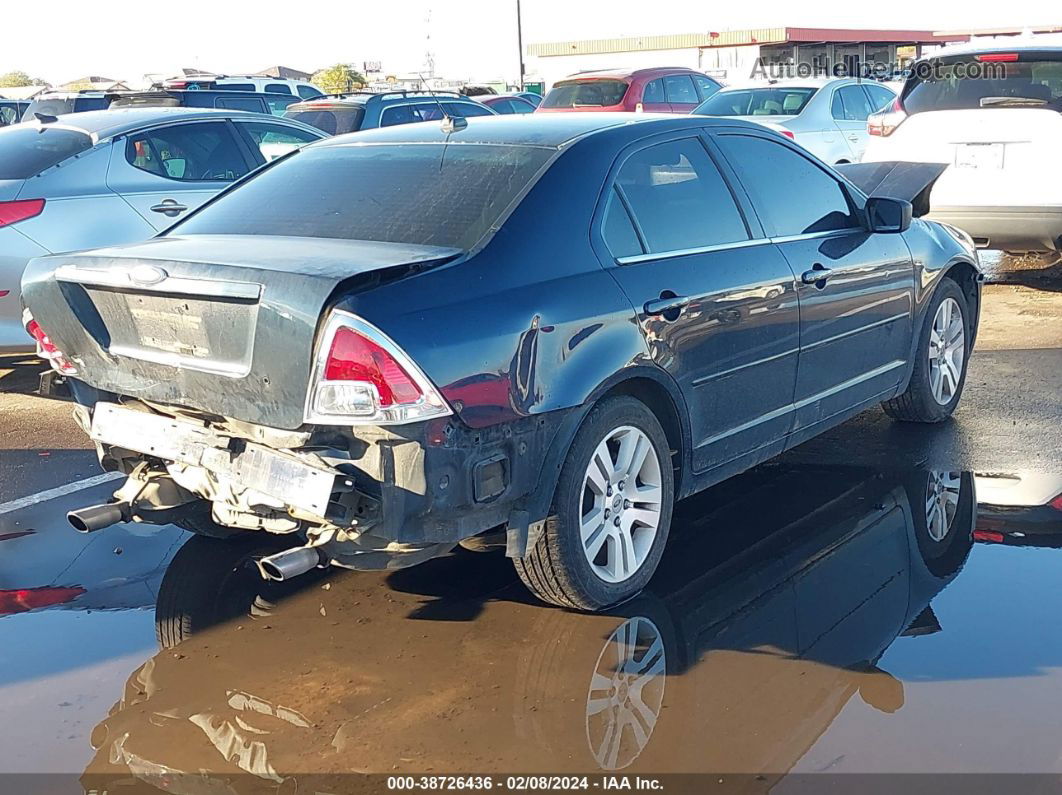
470,39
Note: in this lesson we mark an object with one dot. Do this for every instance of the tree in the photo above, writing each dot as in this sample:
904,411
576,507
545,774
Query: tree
13,79
338,79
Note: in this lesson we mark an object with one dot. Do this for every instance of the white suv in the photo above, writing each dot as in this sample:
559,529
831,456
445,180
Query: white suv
992,111
267,85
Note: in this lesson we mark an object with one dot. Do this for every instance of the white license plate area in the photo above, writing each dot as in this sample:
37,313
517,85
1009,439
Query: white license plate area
983,156
257,468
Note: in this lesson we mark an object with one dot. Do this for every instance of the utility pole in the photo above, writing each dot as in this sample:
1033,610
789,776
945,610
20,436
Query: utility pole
520,42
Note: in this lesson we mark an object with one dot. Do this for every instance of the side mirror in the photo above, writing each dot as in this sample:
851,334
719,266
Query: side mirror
889,215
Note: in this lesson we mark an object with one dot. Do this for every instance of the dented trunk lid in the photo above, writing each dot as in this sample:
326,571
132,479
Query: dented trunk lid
224,324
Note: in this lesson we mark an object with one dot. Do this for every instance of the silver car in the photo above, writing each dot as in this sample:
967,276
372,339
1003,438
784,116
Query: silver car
826,117
106,177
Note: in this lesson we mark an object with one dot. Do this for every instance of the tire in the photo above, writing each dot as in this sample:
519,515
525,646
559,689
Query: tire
210,581
919,403
943,526
557,569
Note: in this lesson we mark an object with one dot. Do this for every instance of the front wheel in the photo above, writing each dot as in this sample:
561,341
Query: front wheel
940,361
611,511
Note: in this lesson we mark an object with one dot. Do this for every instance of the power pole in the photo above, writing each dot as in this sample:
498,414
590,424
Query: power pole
520,42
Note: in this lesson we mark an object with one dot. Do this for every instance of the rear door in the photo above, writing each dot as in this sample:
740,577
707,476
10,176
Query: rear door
165,172
681,93
715,300
855,287
850,108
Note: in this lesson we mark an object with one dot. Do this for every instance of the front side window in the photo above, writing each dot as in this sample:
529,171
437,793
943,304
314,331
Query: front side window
467,109
430,194
678,197
680,90
204,152
274,140
308,92
792,194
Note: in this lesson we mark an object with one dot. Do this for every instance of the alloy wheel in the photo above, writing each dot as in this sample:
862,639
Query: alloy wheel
626,693
947,351
621,504
942,503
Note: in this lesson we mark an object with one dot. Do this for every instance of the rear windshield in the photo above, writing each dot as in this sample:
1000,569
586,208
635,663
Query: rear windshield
59,106
27,150
964,83
757,102
423,194
333,122
585,94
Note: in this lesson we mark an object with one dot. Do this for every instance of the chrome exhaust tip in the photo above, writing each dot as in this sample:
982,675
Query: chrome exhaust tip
290,563
97,517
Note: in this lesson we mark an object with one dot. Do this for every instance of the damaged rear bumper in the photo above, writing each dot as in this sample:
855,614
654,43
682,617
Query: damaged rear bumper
366,495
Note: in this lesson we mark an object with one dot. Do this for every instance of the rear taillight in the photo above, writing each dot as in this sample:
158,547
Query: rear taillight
884,122
46,348
13,212
788,134
362,378
1056,503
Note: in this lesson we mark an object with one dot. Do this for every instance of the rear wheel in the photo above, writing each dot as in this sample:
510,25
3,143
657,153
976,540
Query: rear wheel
940,361
611,511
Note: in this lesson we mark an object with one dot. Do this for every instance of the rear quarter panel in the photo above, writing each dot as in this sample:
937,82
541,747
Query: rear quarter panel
531,323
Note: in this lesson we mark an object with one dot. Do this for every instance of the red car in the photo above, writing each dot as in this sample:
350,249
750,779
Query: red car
660,90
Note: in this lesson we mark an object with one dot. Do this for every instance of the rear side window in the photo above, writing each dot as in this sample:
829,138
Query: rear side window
467,109
308,92
585,94
237,86
280,103
963,83
766,169
680,90
204,152
431,194
277,88
618,229
27,151
757,102
678,197
851,104
654,92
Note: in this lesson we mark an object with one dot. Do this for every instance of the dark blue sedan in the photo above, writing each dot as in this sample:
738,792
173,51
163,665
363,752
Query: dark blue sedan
530,333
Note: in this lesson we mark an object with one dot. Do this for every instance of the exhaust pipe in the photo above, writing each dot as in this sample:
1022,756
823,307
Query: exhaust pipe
97,517
290,563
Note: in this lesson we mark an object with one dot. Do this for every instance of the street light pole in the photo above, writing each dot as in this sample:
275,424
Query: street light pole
520,42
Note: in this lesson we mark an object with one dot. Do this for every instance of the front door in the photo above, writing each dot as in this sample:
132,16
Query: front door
166,172
855,287
716,301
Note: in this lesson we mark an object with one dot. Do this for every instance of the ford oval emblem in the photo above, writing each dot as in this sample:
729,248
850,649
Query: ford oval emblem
147,275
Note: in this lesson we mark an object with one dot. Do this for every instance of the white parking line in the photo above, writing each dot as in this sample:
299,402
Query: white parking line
58,491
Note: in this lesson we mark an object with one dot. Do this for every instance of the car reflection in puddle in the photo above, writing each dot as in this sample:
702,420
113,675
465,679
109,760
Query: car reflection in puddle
762,624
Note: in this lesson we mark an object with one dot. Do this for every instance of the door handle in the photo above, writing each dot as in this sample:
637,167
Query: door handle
853,137
169,207
817,275
665,304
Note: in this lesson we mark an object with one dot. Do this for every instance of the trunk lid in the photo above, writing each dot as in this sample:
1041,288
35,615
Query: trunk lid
221,323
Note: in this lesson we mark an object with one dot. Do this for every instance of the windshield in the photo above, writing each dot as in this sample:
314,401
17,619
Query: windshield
965,83
757,102
422,194
26,150
585,94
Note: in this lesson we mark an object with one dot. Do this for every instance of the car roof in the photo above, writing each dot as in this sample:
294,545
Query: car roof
359,100
627,74
109,123
530,129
